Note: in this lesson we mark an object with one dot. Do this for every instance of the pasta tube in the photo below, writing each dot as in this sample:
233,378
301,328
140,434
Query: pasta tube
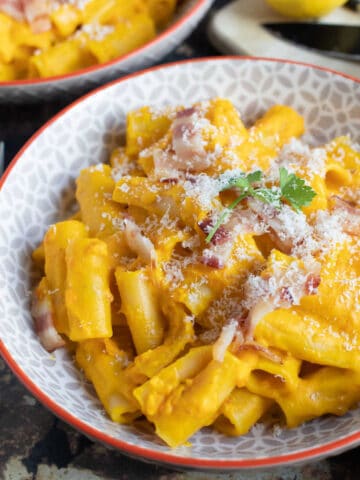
141,308
307,338
105,371
126,36
87,290
62,58
240,411
94,188
56,241
196,403
179,335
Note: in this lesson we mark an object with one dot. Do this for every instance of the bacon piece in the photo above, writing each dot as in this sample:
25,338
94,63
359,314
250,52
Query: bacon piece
217,255
285,296
221,235
169,181
13,8
246,221
43,314
350,221
238,340
269,215
37,14
256,313
241,221
188,142
244,337
222,343
165,164
138,243
282,289
312,283
211,259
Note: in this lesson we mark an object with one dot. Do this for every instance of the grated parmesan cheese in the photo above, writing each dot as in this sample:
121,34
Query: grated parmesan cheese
297,157
96,31
203,189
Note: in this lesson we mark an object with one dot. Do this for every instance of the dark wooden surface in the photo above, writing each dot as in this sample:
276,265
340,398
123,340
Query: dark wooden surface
34,444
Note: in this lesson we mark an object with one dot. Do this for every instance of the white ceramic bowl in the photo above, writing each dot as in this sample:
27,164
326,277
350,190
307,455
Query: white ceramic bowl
39,184
186,18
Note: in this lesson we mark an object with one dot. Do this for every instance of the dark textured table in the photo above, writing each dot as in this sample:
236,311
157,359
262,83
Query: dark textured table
34,444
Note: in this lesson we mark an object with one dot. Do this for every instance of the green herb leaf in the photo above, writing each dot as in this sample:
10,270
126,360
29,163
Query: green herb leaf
294,190
268,195
254,177
242,180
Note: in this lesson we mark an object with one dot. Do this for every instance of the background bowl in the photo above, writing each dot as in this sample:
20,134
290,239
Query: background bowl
187,16
38,187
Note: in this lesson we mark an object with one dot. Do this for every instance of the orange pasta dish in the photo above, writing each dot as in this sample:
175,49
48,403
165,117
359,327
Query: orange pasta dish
194,283
44,38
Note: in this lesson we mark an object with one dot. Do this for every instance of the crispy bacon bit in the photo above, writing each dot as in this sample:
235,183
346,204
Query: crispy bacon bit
14,8
269,216
217,254
186,112
222,343
169,181
43,314
243,324
206,225
312,283
238,340
37,14
245,327
164,164
350,215
222,234
256,313
138,243
189,177
211,260
245,221
285,296
222,243
188,142
246,324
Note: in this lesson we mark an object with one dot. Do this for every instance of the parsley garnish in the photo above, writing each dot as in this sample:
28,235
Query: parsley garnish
291,189
294,190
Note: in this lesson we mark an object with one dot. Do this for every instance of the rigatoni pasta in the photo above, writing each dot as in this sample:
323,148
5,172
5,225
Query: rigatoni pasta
203,259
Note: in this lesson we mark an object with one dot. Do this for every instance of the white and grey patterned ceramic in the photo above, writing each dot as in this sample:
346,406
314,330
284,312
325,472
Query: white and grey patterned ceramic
38,187
187,17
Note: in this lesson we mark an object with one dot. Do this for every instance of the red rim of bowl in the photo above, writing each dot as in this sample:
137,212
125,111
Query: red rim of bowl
83,71
136,451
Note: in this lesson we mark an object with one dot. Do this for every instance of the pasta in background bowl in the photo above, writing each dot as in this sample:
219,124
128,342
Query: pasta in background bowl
38,191
72,47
